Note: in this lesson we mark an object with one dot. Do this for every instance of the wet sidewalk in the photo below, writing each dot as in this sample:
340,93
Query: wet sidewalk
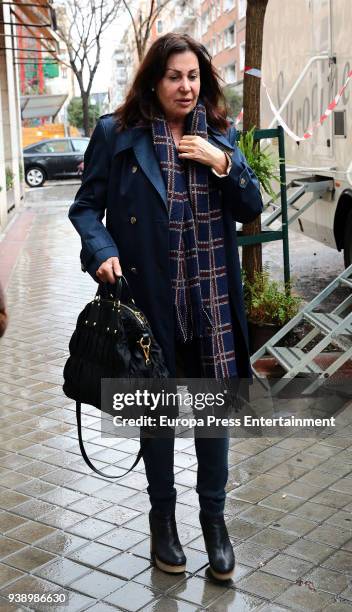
68,535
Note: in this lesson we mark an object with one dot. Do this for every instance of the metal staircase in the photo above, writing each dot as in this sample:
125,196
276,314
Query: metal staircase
328,328
296,189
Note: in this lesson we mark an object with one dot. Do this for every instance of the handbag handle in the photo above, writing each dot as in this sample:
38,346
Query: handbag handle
86,458
114,291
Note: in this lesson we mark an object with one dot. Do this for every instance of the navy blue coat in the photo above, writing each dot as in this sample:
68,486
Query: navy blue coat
122,180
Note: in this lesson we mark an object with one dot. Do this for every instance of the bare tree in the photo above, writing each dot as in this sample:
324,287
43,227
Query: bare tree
252,255
81,24
143,20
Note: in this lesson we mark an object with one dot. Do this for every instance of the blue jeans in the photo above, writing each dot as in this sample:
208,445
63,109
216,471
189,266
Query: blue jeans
212,455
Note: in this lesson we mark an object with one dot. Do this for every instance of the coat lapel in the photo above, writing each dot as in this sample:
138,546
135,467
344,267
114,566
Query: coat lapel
140,140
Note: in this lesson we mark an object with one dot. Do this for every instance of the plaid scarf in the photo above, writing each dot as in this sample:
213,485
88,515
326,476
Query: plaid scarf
197,250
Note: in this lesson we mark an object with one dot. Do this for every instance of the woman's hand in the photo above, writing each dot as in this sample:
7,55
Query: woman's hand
109,270
200,150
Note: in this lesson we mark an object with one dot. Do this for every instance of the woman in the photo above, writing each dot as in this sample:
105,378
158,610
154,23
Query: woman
166,170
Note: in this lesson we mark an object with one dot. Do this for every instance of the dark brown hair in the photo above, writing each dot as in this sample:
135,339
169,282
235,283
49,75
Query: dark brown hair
141,103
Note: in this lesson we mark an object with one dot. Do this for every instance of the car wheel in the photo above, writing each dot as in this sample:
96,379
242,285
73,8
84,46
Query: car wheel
347,241
35,177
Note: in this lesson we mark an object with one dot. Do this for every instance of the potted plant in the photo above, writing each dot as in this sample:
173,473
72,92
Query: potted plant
263,164
269,306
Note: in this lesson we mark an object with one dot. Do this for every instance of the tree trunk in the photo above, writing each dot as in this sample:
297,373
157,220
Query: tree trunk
252,255
85,109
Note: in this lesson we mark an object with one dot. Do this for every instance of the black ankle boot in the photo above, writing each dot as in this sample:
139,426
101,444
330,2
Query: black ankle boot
165,547
218,545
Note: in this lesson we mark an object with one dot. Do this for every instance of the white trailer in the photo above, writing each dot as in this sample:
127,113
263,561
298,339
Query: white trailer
307,55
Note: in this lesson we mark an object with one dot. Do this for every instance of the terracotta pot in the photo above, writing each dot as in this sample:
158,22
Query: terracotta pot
260,334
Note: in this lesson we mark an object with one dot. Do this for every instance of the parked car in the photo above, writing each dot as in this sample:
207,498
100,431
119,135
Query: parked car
53,158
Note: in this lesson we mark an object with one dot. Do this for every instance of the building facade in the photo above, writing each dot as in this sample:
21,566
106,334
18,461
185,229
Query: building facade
36,21
219,24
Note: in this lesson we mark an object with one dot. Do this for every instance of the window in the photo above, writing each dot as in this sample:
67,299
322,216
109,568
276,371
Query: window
159,26
230,73
79,144
242,9
215,50
230,36
59,146
228,5
40,148
242,54
205,22
213,12
220,47
340,123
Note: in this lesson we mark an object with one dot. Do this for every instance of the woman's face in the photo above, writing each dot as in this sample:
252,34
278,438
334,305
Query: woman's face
178,90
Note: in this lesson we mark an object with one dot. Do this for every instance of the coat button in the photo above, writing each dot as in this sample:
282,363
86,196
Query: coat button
133,220
134,169
242,181
133,270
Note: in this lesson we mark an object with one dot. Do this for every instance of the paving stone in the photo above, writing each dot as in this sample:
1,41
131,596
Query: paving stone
28,559
157,580
197,591
236,600
263,585
327,580
64,497
261,516
344,485
281,501
131,597
118,515
8,574
341,519
10,499
31,531
341,561
121,538
10,521
273,538
61,543
241,529
249,493
293,524
101,607
165,604
309,551
8,546
253,555
62,571
302,598
328,534
97,584
91,527
93,554
314,512
34,487
332,499
125,566
347,594
287,567
30,584
318,479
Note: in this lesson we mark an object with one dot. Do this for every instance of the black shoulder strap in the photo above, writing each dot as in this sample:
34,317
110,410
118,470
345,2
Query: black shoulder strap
85,456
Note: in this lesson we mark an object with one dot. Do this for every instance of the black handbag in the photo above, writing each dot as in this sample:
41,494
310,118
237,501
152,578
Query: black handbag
112,339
